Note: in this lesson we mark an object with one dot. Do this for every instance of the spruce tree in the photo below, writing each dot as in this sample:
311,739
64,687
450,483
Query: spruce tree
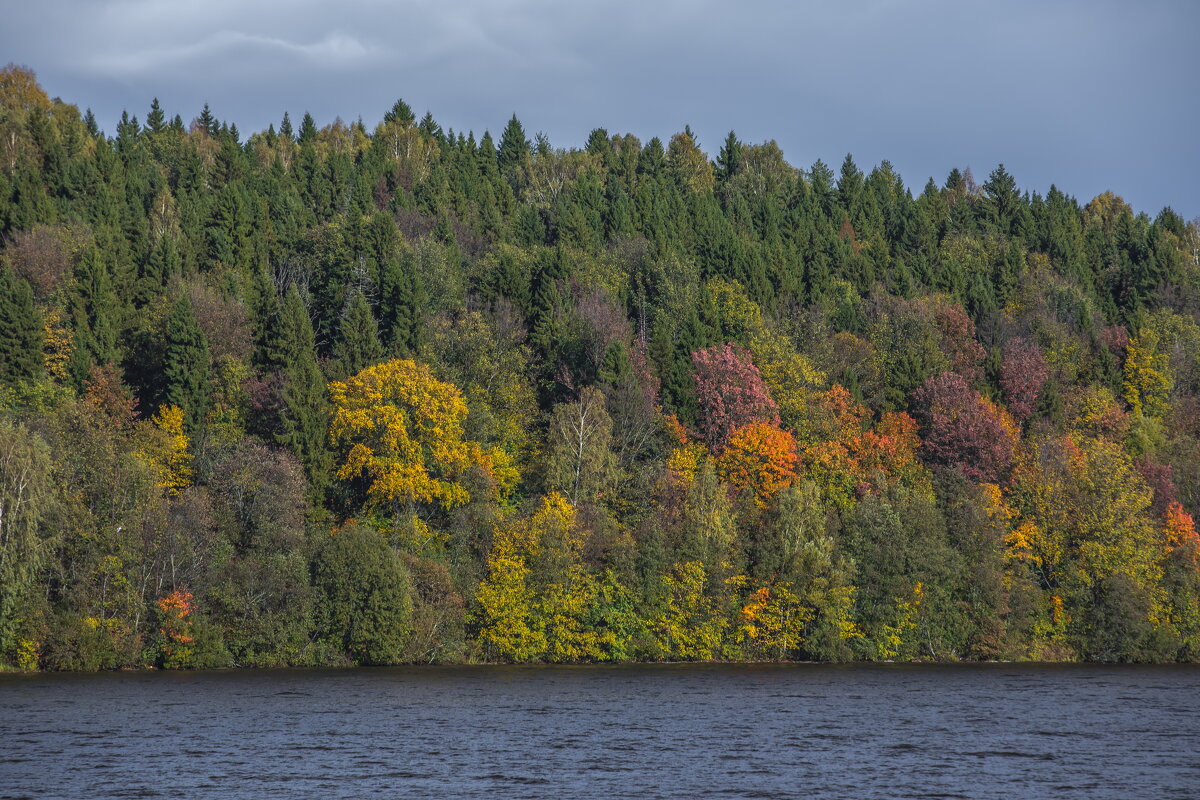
514,146
305,414
402,302
155,120
20,330
185,364
269,350
401,112
95,310
358,344
729,159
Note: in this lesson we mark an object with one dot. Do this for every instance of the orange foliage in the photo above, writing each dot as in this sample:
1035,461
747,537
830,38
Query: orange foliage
176,628
855,457
760,457
1181,536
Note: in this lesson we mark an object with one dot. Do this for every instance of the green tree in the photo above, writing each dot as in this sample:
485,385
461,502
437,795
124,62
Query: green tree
358,346
26,495
364,608
186,364
305,414
20,330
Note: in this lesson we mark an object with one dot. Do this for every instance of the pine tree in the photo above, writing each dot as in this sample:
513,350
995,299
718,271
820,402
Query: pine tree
20,330
185,364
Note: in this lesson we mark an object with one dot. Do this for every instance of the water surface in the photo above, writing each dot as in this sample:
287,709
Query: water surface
699,731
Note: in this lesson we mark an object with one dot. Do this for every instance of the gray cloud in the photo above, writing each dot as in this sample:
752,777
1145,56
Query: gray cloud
1087,94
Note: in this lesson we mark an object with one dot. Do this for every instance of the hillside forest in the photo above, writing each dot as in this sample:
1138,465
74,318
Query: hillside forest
404,394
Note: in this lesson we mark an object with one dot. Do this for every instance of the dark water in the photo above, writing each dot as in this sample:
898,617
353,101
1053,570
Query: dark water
987,731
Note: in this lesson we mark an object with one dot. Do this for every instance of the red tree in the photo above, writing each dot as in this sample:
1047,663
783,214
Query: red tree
963,430
730,392
1022,375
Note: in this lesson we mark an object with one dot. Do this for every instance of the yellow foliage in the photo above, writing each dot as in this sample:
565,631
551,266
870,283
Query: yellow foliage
1148,380
167,454
28,655
402,430
58,344
564,605
773,619
840,612
906,619
685,461
691,626
505,602
1019,543
517,623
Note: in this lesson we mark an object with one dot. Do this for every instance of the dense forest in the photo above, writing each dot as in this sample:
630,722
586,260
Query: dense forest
337,395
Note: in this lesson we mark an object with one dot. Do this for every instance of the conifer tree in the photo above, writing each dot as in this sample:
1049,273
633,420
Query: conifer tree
402,302
305,414
20,330
401,112
729,159
358,345
185,364
155,119
95,311
514,146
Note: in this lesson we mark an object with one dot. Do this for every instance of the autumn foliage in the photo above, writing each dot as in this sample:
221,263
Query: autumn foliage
731,393
407,394
401,431
176,609
761,458
963,430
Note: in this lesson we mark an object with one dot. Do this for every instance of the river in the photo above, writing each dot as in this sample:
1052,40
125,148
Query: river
657,731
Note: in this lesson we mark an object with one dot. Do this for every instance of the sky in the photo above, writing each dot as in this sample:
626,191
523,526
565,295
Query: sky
1089,95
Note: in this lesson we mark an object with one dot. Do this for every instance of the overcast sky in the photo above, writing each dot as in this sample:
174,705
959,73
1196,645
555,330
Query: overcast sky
1086,94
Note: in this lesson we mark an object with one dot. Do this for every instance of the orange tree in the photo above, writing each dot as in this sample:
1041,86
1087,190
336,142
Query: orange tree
761,458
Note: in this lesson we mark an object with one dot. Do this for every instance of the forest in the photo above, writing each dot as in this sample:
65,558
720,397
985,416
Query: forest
337,395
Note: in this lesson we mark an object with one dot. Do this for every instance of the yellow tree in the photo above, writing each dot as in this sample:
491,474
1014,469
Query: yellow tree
773,620
690,627
1147,375
518,620
166,450
401,431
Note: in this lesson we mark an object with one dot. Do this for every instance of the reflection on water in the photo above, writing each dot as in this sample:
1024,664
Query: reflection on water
699,731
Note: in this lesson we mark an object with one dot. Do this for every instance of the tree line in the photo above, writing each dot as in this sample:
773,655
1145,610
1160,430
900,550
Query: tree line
337,395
